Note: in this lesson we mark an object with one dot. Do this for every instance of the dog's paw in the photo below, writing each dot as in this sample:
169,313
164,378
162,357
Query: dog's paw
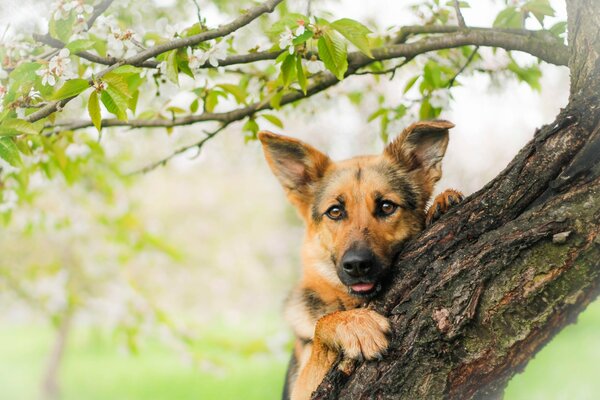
442,203
360,334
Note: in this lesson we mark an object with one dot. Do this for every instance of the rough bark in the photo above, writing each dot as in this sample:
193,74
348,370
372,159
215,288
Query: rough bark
481,291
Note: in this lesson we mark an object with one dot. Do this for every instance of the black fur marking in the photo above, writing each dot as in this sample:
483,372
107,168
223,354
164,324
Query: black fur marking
287,149
292,370
400,184
314,304
358,174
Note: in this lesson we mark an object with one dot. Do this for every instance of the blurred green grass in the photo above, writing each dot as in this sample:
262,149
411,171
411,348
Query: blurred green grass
96,368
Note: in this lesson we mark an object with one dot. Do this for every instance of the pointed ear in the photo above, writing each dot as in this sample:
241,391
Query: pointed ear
296,165
421,145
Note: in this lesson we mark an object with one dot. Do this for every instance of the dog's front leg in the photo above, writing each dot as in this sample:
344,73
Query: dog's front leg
359,334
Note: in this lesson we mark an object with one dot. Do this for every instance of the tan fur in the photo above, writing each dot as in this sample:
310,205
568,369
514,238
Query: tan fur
326,318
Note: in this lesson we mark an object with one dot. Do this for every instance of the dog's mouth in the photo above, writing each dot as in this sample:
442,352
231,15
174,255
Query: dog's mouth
364,289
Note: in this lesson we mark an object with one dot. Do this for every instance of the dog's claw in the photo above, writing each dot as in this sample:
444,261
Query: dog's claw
442,203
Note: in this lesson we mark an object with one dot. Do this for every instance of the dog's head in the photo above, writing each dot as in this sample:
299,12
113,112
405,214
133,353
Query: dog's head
359,212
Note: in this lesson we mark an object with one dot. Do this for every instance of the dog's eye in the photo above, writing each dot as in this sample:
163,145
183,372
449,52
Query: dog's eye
335,213
386,208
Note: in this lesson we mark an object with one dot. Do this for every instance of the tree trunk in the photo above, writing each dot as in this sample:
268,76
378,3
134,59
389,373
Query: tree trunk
481,291
50,384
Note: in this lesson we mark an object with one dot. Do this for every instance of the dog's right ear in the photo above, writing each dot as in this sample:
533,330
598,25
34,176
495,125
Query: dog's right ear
296,165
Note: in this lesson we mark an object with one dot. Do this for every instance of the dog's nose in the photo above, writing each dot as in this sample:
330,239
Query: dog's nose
357,262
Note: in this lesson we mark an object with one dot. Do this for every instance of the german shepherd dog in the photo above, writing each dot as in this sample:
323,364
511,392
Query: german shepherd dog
359,213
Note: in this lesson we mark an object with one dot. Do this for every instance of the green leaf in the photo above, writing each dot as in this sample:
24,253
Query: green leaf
14,127
411,82
94,110
377,114
539,9
9,151
432,74
275,101
237,92
61,28
80,45
118,83
183,63
355,32
332,51
509,18
115,103
100,45
558,29
172,67
300,74
530,75
212,99
194,106
24,72
71,88
149,114
133,101
273,119
252,127
127,69
288,70
289,20
303,38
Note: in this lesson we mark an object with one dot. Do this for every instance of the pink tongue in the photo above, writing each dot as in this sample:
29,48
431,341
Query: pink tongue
362,287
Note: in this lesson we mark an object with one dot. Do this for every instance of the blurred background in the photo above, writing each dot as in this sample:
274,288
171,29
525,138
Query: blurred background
173,288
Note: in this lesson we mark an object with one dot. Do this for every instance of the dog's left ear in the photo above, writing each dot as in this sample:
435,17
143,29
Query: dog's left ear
296,165
421,147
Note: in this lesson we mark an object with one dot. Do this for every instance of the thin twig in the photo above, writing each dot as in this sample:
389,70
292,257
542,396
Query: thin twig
459,16
391,70
198,13
462,69
165,160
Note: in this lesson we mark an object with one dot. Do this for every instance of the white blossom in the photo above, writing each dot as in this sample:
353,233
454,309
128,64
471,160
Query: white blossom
194,58
61,10
285,40
315,66
213,55
47,75
79,6
56,68
120,43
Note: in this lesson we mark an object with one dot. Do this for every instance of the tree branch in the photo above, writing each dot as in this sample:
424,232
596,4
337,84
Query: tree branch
230,60
98,10
551,51
243,20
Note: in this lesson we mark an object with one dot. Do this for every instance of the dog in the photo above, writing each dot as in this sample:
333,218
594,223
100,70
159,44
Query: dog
359,213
